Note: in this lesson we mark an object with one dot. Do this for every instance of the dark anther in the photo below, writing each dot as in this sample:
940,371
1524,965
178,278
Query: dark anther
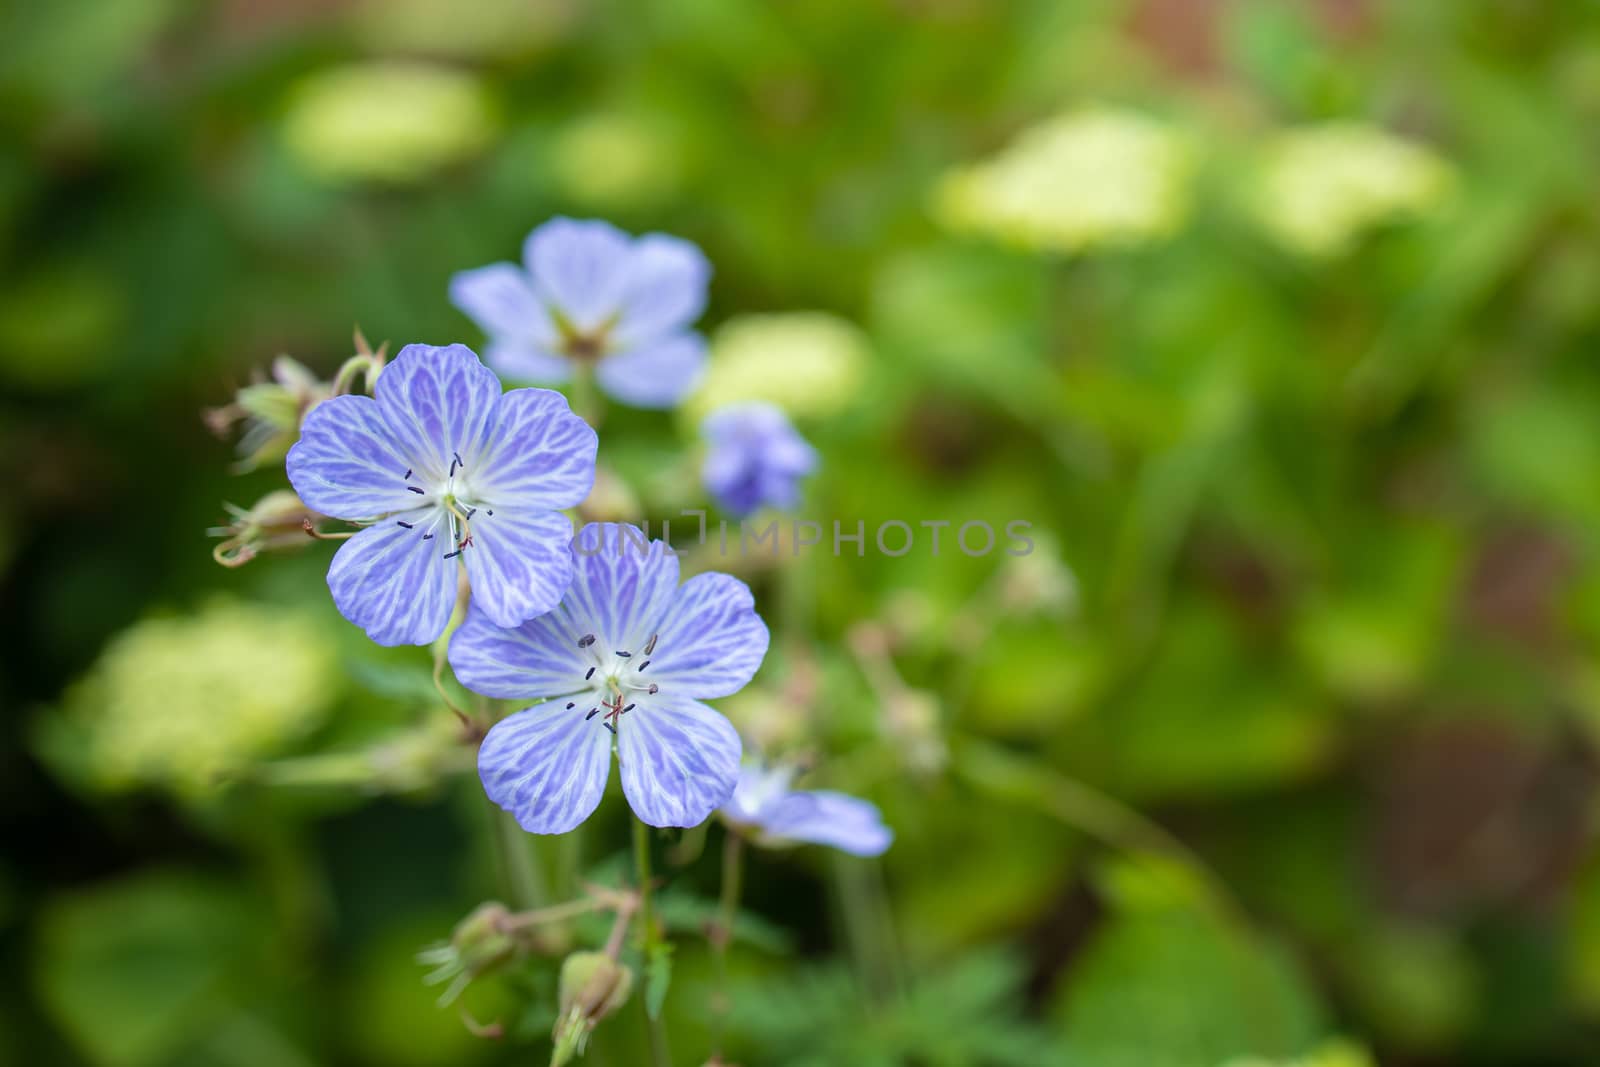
471,512
589,675
452,555
625,655
654,689
427,537
630,707
457,457
491,511
608,726
592,713
408,475
643,665
417,491
571,704
407,525
650,645
586,640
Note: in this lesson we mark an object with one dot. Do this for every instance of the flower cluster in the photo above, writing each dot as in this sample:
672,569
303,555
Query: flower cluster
457,488
454,495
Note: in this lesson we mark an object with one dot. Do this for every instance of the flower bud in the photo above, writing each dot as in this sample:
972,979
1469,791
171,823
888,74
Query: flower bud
480,944
593,985
482,940
277,520
270,412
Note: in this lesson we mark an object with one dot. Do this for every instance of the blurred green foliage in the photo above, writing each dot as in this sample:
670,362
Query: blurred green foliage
1276,318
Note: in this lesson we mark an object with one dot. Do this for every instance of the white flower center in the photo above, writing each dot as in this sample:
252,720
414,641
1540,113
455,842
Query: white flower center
616,679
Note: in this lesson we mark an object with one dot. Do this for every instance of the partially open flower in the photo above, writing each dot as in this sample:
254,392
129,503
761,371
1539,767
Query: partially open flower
764,806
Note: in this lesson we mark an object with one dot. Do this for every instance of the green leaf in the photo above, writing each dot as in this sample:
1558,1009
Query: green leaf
657,976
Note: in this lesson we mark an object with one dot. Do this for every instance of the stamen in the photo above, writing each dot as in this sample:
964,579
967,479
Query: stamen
589,675
630,707
452,555
650,645
654,689
459,463
586,640
407,525
592,713
491,511
571,704
625,655
608,726
419,492
643,665
427,537
471,512
452,473
407,477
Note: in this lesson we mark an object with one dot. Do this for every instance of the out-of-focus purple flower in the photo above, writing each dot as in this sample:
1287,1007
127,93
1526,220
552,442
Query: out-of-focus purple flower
765,806
446,471
754,458
589,295
627,656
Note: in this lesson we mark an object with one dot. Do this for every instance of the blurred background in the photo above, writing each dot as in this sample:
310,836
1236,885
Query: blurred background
1277,318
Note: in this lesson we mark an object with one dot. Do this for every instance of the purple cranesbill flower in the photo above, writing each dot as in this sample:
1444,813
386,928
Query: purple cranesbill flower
445,472
588,295
764,806
754,458
627,657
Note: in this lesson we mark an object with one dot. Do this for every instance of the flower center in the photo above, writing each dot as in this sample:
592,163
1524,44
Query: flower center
615,681
584,348
449,497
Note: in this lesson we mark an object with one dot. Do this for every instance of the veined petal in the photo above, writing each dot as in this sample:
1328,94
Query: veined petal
538,658
393,584
520,562
712,641
623,587
439,401
546,766
822,817
524,361
347,463
665,289
501,299
680,761
655,374
580,268
539,454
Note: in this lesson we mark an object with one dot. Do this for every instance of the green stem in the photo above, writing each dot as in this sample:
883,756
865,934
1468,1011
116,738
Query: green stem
868,926
523,883
722,934
586,401
659,1054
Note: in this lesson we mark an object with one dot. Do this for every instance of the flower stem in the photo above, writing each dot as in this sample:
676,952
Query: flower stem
523,883
721,935
586,401
659,1055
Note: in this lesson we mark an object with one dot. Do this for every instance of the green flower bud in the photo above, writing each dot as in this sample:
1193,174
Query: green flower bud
277,520
482,943
593,985
269,412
